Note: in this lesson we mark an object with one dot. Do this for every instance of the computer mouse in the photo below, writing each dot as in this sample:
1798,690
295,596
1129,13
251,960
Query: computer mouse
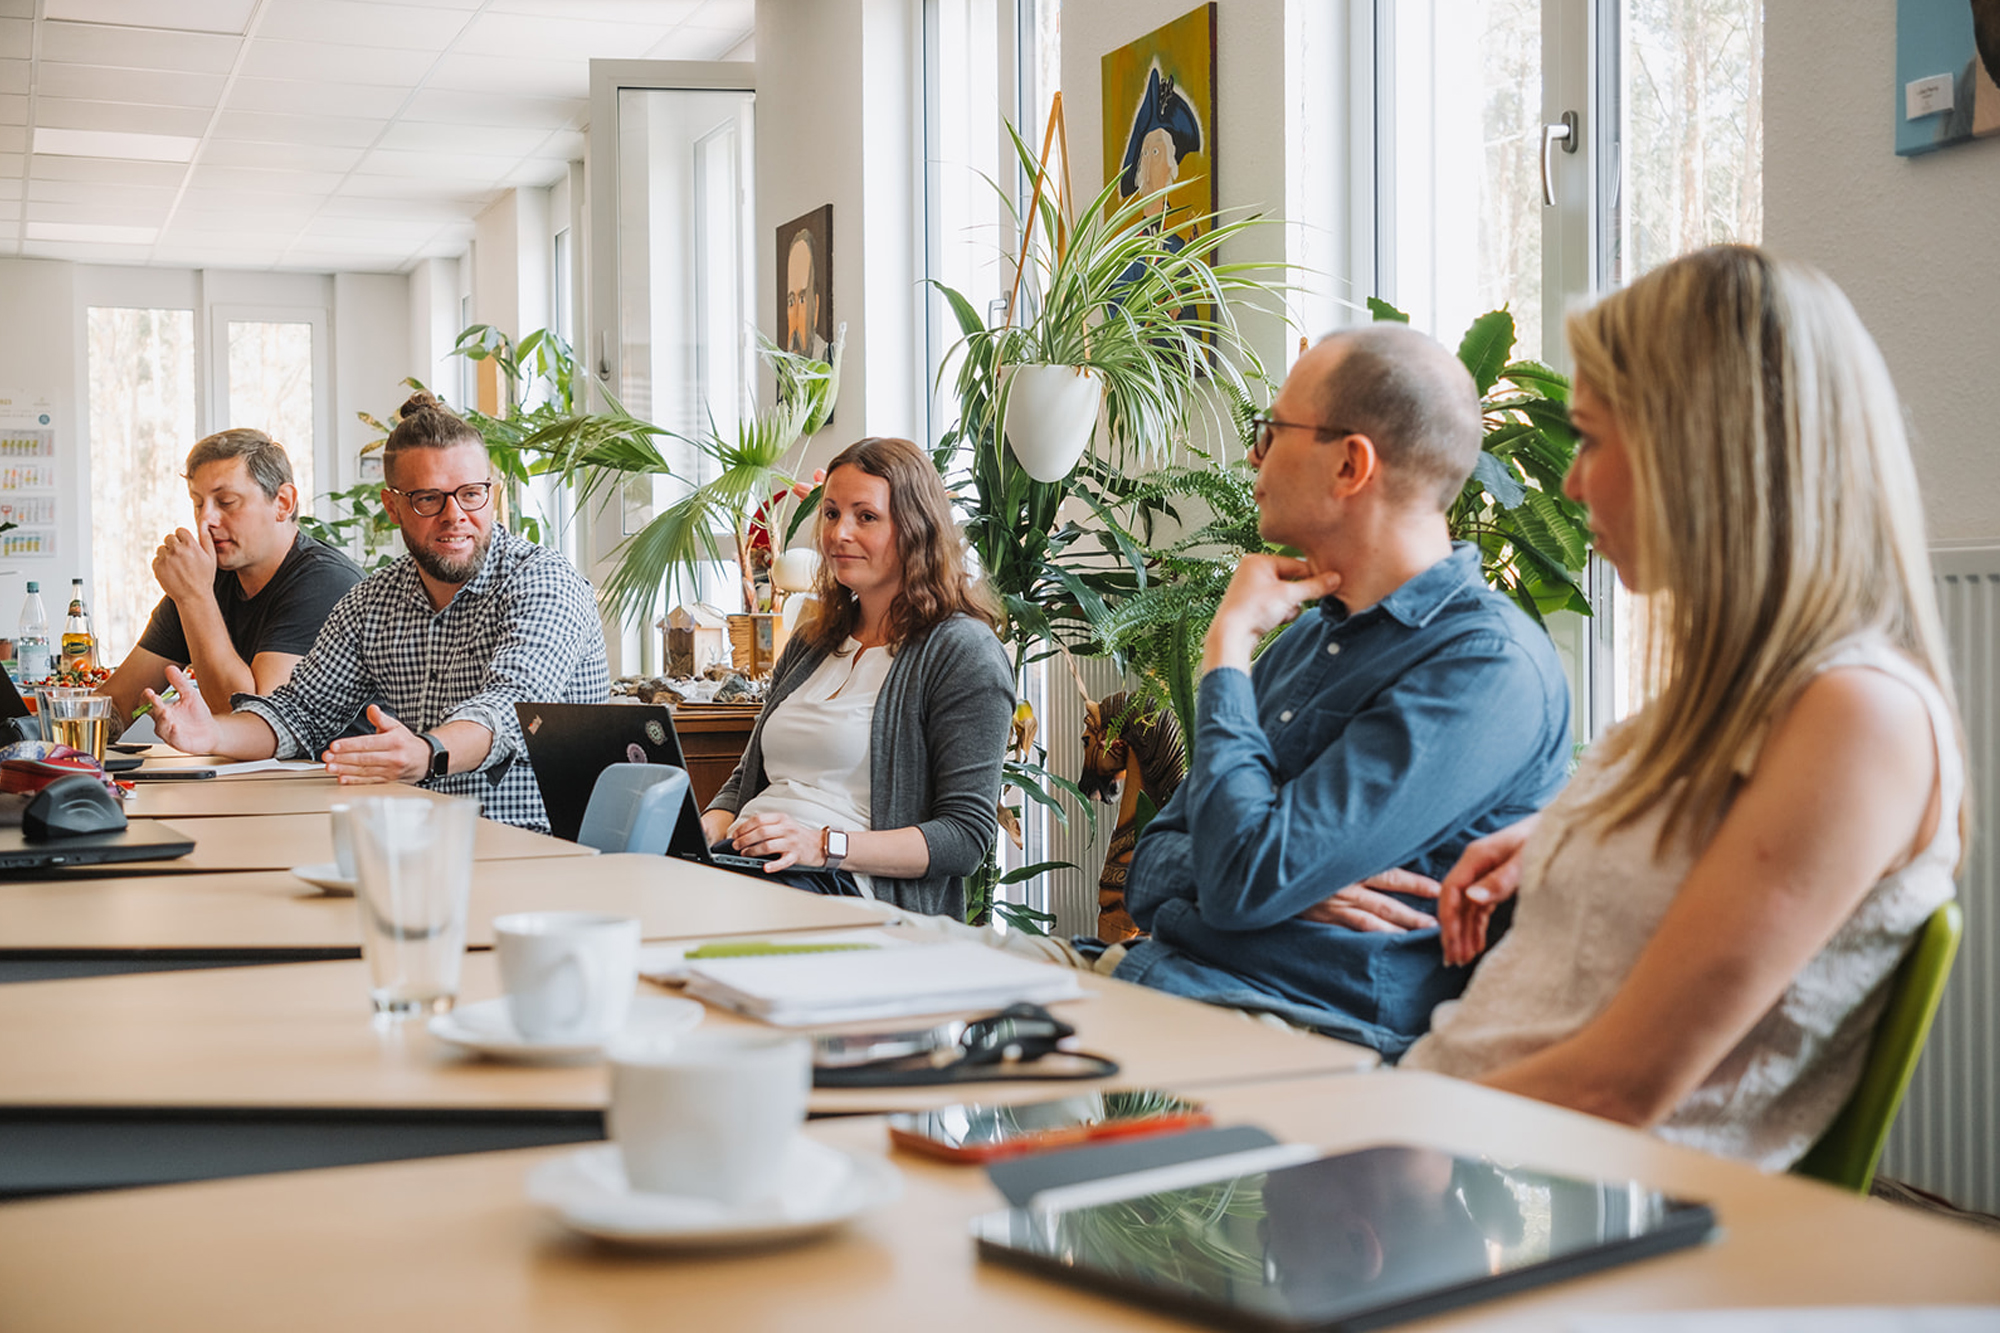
71,807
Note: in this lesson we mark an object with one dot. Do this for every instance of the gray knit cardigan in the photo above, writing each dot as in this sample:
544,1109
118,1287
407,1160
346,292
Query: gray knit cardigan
935,749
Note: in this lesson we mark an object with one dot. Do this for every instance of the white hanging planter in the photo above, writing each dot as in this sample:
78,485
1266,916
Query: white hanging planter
1051,412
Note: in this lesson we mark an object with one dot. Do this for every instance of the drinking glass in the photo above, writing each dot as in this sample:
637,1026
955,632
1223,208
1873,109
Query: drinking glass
75,716
413,864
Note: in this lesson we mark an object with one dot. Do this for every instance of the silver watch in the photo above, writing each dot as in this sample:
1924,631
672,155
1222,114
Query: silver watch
835,843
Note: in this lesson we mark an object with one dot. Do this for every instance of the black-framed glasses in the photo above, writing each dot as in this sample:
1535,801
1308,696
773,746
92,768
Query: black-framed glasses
1268,426
471,497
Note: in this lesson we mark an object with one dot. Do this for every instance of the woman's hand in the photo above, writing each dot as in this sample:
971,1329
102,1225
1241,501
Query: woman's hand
1487,874
793,843
185,722
1368,906
715,825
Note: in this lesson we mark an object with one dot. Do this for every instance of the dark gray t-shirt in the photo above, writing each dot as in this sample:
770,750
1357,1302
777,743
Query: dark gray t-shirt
285,617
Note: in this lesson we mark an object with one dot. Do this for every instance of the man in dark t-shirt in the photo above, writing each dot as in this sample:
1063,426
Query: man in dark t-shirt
246,591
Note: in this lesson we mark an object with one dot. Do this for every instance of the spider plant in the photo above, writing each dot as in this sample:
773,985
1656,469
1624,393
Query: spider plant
1145,311
754,463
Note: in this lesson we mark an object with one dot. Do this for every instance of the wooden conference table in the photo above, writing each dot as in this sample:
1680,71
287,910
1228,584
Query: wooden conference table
455,1243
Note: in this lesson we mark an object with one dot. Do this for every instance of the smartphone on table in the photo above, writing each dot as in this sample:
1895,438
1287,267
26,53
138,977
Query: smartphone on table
990,1131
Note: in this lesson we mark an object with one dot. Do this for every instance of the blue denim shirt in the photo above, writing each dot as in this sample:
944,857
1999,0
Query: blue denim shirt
1359,743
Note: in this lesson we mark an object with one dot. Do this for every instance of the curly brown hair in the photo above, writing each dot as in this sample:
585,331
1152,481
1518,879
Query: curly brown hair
936,582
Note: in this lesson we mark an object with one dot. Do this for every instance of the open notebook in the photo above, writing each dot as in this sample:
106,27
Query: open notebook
793,990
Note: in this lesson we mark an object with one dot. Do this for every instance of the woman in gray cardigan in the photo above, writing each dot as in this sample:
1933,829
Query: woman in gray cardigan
878,752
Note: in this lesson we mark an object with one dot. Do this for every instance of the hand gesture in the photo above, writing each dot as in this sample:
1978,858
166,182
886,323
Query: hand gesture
1367,906
715,825
1264,593
781,836
393,754
185,564
184,722
1487,874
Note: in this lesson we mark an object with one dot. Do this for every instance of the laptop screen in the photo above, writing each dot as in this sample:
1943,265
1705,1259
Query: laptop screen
570,744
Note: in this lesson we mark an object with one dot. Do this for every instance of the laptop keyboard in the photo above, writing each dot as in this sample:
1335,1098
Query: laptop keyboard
731,861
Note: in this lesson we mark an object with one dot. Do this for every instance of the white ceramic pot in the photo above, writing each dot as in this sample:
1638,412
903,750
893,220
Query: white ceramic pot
795,570
1051,412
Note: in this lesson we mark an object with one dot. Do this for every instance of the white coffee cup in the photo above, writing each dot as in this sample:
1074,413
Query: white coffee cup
343,840
568,976
709,1114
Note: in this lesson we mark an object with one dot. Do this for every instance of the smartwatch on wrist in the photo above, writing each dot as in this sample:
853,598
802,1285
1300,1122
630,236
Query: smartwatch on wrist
832,848
440,764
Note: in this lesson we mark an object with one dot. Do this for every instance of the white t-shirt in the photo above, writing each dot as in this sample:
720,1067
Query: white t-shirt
817,743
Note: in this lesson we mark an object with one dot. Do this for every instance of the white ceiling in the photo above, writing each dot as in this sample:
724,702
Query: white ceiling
319,135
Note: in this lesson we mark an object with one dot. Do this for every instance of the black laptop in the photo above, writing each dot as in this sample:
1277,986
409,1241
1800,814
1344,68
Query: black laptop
570,744
141,840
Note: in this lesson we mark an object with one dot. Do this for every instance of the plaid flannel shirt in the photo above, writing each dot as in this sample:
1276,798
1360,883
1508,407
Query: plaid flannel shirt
524,628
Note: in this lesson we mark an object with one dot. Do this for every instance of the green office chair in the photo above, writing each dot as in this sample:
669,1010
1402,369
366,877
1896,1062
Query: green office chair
1847,1154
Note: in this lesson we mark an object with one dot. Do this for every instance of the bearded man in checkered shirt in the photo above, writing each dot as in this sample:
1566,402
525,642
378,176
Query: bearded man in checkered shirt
438,647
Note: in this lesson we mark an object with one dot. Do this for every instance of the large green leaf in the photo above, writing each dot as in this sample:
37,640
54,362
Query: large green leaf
1485,347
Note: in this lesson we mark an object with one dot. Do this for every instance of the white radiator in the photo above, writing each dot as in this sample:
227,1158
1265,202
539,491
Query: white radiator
1070,894
1947,1138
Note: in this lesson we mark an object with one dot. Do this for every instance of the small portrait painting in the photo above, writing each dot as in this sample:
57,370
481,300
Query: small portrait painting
1159,119
805,284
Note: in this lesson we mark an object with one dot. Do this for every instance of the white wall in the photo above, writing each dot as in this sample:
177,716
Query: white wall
371,358
837,98
510,271
435,286
1912,240
41,342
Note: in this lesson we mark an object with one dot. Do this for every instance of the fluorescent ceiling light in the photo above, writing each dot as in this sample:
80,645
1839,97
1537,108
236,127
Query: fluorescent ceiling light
92,232
115,143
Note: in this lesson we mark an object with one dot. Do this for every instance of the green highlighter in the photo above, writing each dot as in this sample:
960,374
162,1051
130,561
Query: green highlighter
768,948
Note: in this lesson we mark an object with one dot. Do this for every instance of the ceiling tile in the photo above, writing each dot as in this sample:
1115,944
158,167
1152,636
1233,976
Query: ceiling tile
373,230
738,14
104,195
210,177
17,9
370,66
94,232
495,74
10,191
556,38
278,156
14,76
87,253
662,12
105,169
228,16
437,165
358,203
120,117
137,48
473,196
13,109
13,138
694,43
467,139
297,207
99,83
501,110
564,145
407,27
329,131
535,174
38,211
301,97
17,39
11,164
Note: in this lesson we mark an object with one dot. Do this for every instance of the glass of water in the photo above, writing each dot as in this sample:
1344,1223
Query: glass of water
413,864
75,716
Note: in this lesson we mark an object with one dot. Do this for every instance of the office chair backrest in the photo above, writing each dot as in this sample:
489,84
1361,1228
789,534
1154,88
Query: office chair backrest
633,808
1847,1154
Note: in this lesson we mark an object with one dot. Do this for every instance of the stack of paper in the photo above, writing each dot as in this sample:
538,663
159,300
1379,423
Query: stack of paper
796,990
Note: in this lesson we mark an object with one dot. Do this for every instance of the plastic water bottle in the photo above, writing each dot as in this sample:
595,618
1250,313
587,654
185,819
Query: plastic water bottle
32,651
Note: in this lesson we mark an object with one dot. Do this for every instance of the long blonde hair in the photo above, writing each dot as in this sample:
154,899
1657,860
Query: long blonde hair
1776,510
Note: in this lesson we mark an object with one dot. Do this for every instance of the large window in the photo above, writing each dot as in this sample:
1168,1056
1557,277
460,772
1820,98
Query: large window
142,420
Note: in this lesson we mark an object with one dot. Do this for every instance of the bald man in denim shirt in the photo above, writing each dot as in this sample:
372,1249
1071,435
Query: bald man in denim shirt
1412,710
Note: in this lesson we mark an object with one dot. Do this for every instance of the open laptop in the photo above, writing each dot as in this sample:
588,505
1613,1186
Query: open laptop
570,744
142,840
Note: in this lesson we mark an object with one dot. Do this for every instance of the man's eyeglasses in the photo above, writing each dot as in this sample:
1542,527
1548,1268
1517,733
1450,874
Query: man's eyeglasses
471,497
1268,426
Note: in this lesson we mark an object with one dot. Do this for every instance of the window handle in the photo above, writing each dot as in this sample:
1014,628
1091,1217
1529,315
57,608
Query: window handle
1563,132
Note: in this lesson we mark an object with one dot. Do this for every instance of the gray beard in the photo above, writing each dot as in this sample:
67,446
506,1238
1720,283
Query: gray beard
456,572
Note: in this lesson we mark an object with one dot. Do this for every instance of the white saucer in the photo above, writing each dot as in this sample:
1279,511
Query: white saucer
326,877
587,1191
485,1027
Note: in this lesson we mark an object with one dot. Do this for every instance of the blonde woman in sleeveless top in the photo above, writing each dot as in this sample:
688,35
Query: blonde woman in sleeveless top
1708,916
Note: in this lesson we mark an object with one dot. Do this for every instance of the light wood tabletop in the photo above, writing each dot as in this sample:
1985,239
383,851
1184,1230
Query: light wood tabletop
274,911
454,1242
300,1034
278,842
311,794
